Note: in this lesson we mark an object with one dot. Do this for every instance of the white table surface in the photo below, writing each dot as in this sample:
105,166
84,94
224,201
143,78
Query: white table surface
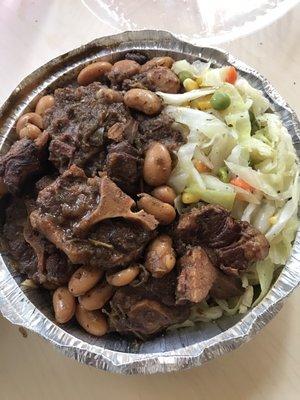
267,368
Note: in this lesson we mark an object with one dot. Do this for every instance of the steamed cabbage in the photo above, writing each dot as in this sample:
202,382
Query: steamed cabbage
250,141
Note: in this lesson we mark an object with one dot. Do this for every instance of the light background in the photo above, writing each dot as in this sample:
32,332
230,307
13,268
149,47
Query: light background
267,368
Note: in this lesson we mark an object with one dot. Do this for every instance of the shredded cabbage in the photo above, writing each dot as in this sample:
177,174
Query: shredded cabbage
184,65
262,218
199,155
239,155
205,314
263,182
259,103
240,122
201,66
214,76
199,122
250,141
249,211
220,150
223,197
265,270
181,98
246,196
246,299
281,245
213,183
223,304
185,173
286,213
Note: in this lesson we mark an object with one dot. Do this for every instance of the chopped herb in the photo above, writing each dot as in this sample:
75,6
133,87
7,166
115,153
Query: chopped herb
254,123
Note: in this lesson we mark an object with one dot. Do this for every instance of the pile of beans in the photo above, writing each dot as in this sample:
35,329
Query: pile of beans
30,125
86,295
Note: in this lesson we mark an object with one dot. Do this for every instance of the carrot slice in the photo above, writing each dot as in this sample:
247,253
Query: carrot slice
200,166
231,75
242,184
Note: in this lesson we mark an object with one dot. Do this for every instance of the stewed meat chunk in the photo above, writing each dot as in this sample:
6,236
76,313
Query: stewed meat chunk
147,309
34,255
24,160
78,124
123,165
159,78
210,225
225,287
196,277
231,244
251,246
15,243
74,213
158,129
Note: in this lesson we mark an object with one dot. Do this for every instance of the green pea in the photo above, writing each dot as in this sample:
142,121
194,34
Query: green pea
183,75
223,174
220,101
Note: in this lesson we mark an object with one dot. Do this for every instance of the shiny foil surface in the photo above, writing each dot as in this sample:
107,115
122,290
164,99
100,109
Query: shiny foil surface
174,350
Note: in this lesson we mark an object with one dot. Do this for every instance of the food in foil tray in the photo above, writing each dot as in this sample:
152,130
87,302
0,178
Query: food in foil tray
149,195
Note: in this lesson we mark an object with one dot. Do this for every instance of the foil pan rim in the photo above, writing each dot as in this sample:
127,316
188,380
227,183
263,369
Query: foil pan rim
16,306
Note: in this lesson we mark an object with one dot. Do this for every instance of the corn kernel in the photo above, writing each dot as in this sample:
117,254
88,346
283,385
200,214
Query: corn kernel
188,198
199,80
189,84
201,104
185,104
273,220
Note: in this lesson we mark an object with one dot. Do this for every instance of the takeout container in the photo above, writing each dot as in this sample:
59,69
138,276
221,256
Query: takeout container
174,350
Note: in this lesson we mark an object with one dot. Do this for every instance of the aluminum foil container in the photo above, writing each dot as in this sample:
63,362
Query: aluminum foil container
174,350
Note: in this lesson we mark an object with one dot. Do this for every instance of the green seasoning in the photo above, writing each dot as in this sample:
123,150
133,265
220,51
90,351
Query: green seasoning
223,174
